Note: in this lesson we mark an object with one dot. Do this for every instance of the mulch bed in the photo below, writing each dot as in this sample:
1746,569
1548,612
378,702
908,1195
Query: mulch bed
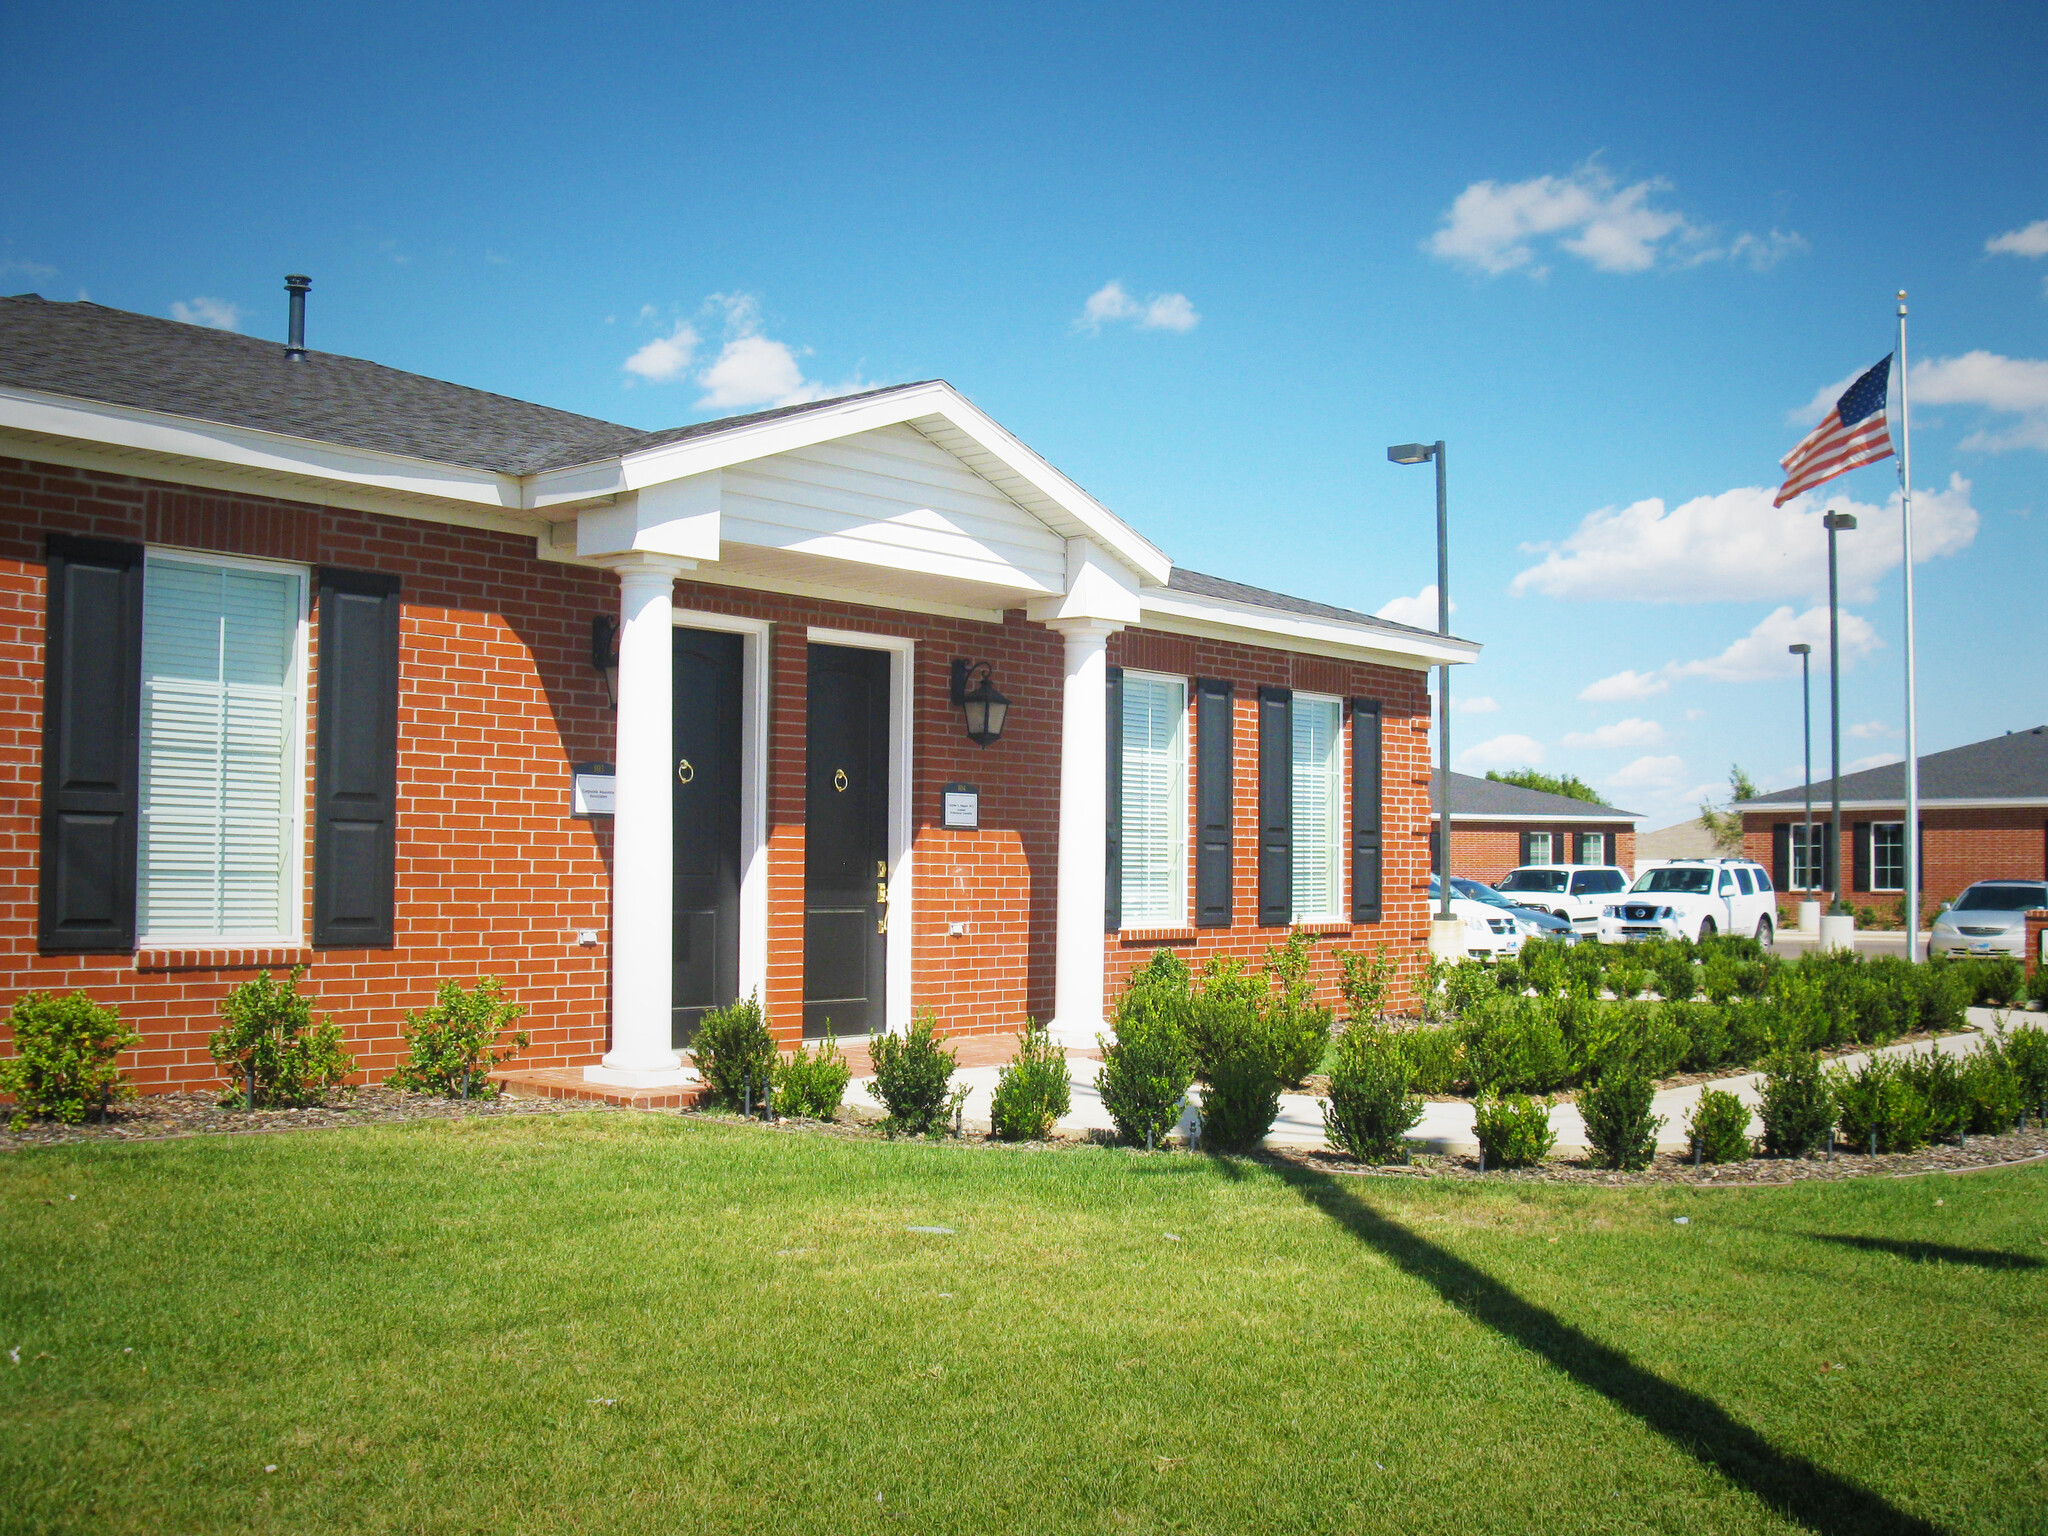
160,1116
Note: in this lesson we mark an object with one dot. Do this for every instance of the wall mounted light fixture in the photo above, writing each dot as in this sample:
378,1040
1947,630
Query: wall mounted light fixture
604,653
986,710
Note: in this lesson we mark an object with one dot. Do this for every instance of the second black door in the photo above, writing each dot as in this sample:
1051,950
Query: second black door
706,786
846,841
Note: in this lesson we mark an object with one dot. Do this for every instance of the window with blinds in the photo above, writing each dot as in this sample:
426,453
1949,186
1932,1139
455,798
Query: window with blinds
1155,802
221,751
1318,783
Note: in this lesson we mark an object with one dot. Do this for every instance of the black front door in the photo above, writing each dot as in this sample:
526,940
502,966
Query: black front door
706,786
846,841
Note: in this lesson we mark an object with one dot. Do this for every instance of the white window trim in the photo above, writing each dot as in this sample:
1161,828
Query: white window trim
1342,885
295,830
1180,802
896,1001
1901,886
755,640
1549,850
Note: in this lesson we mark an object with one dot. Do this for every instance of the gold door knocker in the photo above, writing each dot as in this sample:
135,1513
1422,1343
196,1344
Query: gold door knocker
684,772
839,780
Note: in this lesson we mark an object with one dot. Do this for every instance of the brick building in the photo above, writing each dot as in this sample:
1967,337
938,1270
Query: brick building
1497,827
1983,816
309,661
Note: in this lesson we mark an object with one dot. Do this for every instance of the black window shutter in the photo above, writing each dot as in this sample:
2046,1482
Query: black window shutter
92,732
1368,810
1781,855
356,761
1215,787
1525,849
1860,866
1276,807
1113,862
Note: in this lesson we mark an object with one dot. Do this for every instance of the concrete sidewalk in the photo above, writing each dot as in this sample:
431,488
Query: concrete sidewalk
1443,1127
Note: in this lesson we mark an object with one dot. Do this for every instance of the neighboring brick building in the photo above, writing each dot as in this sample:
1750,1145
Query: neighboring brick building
1497,827
302,656
1983,816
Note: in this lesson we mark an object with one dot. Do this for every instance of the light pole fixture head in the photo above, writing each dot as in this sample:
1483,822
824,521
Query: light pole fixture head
1838,522
1801,649
1411,453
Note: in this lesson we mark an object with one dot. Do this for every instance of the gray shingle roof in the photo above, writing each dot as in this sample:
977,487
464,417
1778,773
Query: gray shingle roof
1195,584
1507,802
2009,767
91,352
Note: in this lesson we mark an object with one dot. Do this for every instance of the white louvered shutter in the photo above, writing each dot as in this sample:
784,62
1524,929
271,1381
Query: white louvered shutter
220,775
1154,803
1318,807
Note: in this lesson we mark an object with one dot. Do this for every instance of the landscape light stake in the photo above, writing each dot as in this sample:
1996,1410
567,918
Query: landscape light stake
747,1095
1148,1138
1873,1143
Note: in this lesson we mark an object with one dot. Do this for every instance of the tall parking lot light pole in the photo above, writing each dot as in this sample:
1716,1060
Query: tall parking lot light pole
1835,522
1805,654
1446,930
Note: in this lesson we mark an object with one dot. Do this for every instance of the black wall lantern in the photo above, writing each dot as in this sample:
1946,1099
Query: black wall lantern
987,711
604,653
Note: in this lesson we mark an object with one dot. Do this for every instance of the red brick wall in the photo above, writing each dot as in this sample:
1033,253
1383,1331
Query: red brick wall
498,699
1405,787
1960,846
1487,850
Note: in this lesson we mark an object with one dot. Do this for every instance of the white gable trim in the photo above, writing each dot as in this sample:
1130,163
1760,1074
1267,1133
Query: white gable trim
1217,619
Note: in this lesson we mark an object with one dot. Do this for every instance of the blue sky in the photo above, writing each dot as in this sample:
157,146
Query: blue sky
1210,263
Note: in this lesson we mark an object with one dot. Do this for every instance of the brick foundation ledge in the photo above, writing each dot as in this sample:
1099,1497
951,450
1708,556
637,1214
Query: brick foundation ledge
569,1083
222,959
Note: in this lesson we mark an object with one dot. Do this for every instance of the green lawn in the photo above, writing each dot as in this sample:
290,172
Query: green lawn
653,1325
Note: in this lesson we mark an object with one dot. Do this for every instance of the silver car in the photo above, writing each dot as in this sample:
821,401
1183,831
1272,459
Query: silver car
1989,918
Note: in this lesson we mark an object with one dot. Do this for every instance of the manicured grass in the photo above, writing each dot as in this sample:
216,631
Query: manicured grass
645,1324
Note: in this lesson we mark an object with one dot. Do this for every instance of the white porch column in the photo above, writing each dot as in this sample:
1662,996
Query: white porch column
1084,803
643,848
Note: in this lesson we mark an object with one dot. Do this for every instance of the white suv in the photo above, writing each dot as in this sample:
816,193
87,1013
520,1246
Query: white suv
1694,899
1574,892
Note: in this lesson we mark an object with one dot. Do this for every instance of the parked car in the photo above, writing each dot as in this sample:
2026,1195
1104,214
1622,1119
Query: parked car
1694,899
1989,918
1491,932
1573,892
1534,924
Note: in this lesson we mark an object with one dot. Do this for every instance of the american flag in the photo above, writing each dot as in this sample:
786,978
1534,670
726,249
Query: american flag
1853,433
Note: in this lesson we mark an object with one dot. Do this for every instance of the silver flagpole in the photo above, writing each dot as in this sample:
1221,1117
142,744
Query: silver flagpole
1911,830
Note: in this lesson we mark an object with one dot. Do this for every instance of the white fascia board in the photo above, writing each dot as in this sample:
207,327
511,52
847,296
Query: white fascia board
1184,613
1605,821
1823,805
252,448
760,440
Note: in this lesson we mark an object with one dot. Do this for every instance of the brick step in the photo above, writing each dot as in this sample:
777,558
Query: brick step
568,1083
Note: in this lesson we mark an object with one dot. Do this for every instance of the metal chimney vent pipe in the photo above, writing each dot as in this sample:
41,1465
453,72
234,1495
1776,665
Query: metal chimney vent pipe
296,285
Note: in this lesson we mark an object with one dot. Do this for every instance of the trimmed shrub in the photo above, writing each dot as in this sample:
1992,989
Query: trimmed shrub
1880,1108
1365,980
1993,981
65,1061
1145,1074
734,1052
1545,968
271,1048
1369,1111
1993,1089
812,1085
1649,1037
1945,996
2026,1049
1708,1042
1514,1132
1671,963
451,1048
1227,980
1717,1130
913,1077
1628,980
1299,1036
1938,1080
1433,1054
1241,1101
1619,1124
2037,989
1166,970
1516,1046
1033,1091
1218,1024
1798,1104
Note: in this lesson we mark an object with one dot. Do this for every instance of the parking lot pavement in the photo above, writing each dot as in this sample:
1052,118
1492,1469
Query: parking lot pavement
1876,942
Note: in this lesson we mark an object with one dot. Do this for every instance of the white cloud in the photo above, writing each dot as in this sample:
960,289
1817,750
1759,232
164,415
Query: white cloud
1479,706
752,370
2031,241
1648,773
217,314
1875,760
1501,752
1495,227
1161,312
1764,652
1695,714
665,357
1737,547
1870,730
1632,732
2015,386
1419,610
17,266
1624,687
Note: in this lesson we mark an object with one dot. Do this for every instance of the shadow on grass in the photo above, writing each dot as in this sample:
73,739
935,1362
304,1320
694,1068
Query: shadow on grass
1932,1253
1790,1484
